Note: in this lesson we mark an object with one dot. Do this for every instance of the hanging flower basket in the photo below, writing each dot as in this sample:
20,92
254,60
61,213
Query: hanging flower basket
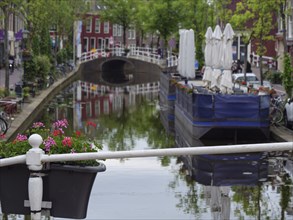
67,187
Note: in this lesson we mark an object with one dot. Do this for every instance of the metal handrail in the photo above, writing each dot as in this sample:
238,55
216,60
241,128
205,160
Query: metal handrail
35,158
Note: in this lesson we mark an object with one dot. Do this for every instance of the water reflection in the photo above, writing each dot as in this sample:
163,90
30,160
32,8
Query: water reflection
254,186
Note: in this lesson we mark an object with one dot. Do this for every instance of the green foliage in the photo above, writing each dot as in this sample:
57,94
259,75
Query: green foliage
42,66
45,44
62,56
273,76
2,92
25,91
119,12
259,14
29,70
36,45
37,67
287,75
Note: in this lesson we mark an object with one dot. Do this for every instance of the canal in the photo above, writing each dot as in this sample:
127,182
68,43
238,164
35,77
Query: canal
250,186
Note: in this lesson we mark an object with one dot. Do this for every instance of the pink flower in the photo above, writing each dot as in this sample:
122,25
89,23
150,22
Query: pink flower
61,124
49,142
21,137
38,125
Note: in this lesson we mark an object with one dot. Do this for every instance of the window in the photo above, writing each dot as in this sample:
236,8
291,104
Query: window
119,30
97,26
106,42
85,44
115,27
100,43
93,42
89,25
97,108
106,27
106,106
290,30
131,34
88,109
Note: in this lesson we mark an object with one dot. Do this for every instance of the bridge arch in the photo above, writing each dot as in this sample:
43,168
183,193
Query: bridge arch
117,70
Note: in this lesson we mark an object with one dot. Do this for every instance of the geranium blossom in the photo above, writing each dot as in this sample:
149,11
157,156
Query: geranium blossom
67,141
49,142
61,124
38,125
55,141
90,123
21,137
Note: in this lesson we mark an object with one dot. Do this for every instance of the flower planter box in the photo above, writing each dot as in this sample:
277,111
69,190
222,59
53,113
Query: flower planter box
67,187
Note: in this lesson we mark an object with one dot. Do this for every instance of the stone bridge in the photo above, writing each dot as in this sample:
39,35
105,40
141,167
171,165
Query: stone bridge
119,71
116,67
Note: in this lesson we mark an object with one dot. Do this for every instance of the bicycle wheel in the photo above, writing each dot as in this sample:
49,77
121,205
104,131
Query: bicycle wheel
277,116
3,126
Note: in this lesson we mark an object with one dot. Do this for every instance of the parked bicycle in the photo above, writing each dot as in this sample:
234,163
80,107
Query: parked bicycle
5,122
277,109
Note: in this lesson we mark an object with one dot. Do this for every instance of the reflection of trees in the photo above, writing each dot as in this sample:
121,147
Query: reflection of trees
120,131
285,194
248,197
187,201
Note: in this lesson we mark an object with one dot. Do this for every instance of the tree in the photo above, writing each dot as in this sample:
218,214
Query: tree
8,7
259,14
119,12
193,15
164,19
287,75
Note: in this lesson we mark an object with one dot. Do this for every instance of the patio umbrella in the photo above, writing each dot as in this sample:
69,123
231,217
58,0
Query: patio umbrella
180,57
207,76
184,48
217,57
226,80
190,70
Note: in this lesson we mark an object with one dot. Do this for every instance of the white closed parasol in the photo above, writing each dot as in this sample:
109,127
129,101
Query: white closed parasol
217,55
226,80
207,76
190,53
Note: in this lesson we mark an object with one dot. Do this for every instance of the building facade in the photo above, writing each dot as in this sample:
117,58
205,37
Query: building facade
279,46
15,37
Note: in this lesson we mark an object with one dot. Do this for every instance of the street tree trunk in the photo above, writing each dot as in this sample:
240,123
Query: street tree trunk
6,49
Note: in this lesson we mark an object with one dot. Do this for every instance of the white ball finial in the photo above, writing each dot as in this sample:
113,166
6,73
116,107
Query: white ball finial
35,140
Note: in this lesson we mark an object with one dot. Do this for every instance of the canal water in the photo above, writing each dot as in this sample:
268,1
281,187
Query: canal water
251,186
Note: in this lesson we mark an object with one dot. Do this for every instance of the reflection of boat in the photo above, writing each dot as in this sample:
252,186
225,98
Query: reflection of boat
200,113
229,170
167,102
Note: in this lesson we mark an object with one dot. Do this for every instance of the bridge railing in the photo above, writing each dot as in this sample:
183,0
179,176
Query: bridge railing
147,54
35,158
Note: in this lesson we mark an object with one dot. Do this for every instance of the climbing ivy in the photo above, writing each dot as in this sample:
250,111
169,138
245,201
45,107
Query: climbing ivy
287,75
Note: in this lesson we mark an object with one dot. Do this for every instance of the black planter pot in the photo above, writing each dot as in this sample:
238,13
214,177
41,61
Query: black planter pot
67,187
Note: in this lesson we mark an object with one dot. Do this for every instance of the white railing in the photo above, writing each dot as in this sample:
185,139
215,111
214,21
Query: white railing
269,62
143,88
35,158
147,54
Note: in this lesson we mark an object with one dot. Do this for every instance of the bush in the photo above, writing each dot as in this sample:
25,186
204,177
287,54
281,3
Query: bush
2,92
61,56
42,66
287,80
273,76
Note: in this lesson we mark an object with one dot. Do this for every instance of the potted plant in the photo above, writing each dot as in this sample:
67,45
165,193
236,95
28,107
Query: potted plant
67,185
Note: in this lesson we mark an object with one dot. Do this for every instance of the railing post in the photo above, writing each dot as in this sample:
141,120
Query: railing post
35,182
